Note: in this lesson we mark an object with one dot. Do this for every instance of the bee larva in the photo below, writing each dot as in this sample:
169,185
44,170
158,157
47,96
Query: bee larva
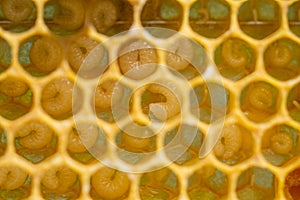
57,97
13,87
35,135
229,143
110,183
60,179
278,55
232,54
281,143
46,54
104,15
12,177
17,10
70,15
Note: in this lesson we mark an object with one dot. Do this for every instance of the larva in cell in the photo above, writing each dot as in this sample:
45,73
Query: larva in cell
79,50
57,97
138,60
180,54
164,110
12,177
70,15
278,55
260,97
104,15
13,87
35,135
107,93
17,10
82,138
232,54
229,143
281,143
136,142
46,54
60,179
110,183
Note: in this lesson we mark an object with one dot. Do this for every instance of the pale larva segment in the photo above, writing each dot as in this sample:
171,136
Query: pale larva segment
104,15
12,177
278,55
107,93
82,138
260,97
70,15
60,179
35,135
110,183
164,110
57,97
229,143
13,87
17,10
281,143
232,54
46,54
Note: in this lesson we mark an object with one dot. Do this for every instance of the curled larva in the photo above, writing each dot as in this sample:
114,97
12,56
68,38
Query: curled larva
82,138
104,15
260,97
70,15
107,93
136,142
281,143
232,54
138,60
12,177
17,10
59,179
79,50
110,183
278,55
164,110
46,54
13,87
180,54
35,135
57,97
229,143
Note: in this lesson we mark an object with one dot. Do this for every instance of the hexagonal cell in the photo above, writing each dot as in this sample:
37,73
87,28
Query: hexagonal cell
235,59
282,59
107,183
3,141
260,101
64,17
15,182
235,144
293,101
294,18
60,182
5,55
256,183
56,98
110,17
159,184
292,184
17,15
259,19
213,101
85,142
40,54
208,182
182,144
210,18
162,13
15,98
35,141
280,144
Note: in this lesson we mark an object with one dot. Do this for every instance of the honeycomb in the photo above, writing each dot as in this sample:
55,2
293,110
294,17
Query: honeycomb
46,153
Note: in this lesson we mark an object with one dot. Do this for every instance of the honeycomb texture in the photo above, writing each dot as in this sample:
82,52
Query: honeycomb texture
261,125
